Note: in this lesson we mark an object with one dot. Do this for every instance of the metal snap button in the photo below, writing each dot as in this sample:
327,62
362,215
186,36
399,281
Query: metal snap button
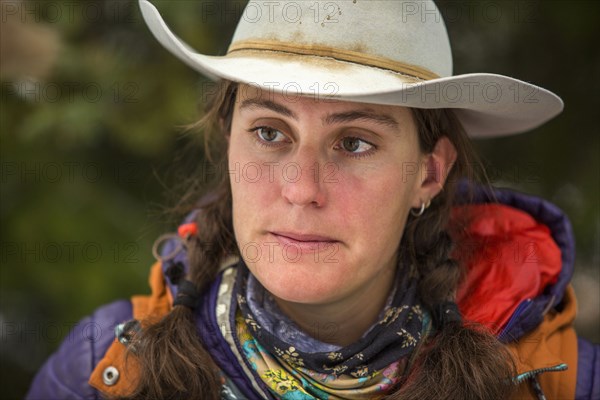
110,376
126,331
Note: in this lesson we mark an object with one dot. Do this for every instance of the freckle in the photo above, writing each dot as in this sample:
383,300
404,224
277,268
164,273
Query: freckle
340,12
328,17
322,24
354,1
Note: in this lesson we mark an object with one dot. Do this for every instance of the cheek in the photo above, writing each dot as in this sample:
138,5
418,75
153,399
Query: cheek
383,194
372,211
253,188
252,178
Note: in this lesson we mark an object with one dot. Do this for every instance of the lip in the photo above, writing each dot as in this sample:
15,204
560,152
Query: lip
300,237
304,242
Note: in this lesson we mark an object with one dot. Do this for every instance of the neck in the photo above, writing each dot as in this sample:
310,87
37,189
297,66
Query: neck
344,321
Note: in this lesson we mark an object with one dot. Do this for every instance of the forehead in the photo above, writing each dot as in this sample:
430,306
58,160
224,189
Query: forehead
293,105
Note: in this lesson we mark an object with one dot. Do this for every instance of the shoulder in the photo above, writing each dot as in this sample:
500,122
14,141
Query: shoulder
65,374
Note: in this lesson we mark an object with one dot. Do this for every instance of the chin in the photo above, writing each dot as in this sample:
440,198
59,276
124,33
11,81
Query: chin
300,282
295,294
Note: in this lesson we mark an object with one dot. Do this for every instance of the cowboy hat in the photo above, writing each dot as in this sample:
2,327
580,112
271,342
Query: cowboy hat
377,51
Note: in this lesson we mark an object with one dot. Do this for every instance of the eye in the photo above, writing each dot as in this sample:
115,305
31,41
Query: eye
269,134
355,145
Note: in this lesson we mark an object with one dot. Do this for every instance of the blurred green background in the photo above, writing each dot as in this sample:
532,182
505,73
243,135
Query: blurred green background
92,145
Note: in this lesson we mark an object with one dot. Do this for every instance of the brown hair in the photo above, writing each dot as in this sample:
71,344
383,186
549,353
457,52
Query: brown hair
461,360
458,361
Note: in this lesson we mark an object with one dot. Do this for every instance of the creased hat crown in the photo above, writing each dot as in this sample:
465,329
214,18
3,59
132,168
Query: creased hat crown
409,37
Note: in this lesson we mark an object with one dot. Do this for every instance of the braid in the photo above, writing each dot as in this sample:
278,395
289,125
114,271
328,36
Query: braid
174,364
439,273
215,238
459,360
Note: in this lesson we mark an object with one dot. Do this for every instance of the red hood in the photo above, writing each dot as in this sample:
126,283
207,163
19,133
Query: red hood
509,257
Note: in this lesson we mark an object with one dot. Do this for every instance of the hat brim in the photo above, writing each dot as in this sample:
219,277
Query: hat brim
488,105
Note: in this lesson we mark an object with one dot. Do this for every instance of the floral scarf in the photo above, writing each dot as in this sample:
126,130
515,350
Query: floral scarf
365,369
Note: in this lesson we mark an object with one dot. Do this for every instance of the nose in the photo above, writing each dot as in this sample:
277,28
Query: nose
302,184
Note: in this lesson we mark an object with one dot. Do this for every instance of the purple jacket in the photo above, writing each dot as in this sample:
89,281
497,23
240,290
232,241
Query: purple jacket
65,374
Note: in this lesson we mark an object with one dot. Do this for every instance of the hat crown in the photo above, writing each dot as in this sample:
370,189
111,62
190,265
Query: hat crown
407,32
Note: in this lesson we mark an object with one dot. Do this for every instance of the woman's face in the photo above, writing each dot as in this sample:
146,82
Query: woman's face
321,192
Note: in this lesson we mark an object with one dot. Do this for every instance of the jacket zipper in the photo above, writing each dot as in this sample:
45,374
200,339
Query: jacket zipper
513,320
527,375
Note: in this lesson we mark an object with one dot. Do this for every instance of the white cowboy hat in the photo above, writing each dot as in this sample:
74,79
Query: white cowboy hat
371,51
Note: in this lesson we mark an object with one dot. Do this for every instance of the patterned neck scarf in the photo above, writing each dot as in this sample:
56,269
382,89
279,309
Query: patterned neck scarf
364,369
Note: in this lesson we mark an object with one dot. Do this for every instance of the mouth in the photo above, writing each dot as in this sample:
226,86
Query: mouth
304,242
299,237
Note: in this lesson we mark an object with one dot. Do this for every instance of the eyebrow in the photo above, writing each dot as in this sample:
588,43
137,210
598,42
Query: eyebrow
268,104
366,115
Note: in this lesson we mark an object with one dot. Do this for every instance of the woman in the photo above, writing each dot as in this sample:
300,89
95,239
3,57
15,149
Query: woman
346,253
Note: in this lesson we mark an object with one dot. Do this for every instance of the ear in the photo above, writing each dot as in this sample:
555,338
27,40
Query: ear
435,169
